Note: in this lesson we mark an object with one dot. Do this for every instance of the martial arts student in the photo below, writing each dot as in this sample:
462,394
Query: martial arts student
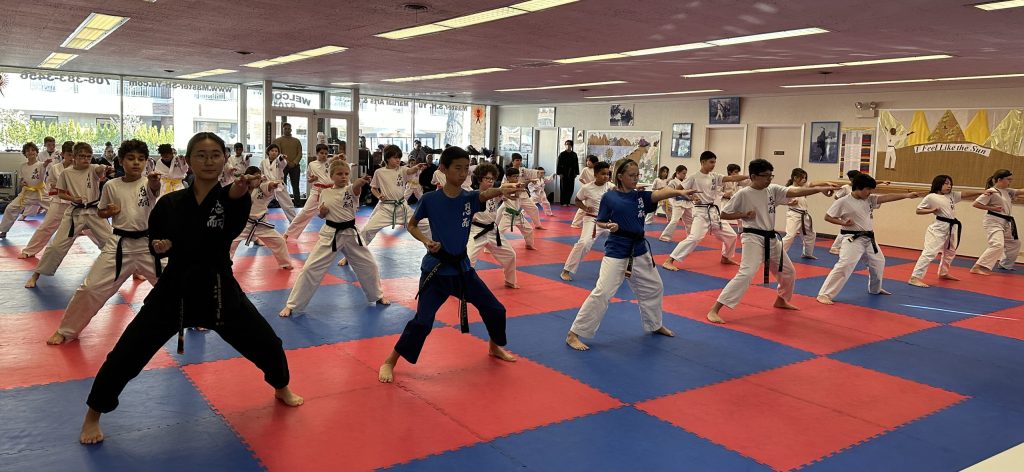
842,192
588,199
626,255
445,267
32,175
707,215
337,205
755,206
529,178
439,180
678,208
388,185
193,228
80,186
511,213
943,235
55,210
235,166
586,177
485,233
1000,227
660,183
272,167
319,178
855,213
539,193
127,201
171,167
257,226
799,223
729,189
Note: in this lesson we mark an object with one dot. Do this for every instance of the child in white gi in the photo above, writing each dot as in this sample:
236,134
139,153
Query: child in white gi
485,233
319,179
842,192
338,206
707,215
272,167
1000,227
943,235
80,186
586,177
588,199
258,227
799,223
171,167
539,193
388,185
55,210
755,206
660,183
235,166
678,208
31,176
855,213
626,256
511,214
127,201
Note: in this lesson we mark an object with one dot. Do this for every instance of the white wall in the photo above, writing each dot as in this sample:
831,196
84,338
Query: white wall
895,223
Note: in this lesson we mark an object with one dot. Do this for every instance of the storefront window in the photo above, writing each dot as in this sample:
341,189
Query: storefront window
255,129
339,100
384,120
438,124
297,99
154,109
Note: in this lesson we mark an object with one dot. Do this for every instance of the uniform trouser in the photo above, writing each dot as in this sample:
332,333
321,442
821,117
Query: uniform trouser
937,242
700,228
645,283
1002,248
850,253
45,230
17,206
100,285
285,201
530,211
384,214
246,331
520,222
678,213
270,238
577,219
566,189
753,257
61,244
434,294
504,254
836,244
583,246
413,189
311,208
793,231
542,200
322,258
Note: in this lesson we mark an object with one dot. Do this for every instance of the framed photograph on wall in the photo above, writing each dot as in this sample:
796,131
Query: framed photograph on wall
824,142
546,117
644,147
620,115
682,138
724,110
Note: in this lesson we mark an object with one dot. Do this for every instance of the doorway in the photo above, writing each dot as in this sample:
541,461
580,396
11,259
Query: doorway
782,145
729,143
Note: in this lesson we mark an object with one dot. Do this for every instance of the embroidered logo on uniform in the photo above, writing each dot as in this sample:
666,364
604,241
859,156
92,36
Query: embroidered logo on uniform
639,207
348,201
771,204
143,196
216,219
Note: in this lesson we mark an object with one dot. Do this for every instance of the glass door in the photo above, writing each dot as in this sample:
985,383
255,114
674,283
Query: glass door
301,124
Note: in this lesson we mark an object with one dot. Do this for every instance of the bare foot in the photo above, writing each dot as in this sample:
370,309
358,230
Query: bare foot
288,397
785,305
31,283
668,265
824,300
285,312
383,301
727,261
91,432
24,256
808,257
949,277
138,277
343,262
714,318
510,285
917,282
666,240
287,267
882,291
571,226
386,374
55,339
836,253
500,352
541,227
574,342
531,248
664,331
566,275
979,270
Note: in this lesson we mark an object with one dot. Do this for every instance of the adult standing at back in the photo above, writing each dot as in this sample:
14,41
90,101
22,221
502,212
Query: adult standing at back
292,149
568,167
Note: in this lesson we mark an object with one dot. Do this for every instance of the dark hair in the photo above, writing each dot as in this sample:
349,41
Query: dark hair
852,173
511,171
540,168
938,182
321,147
756,166
392,151
81,146
132,145
620,168
601,166
663,169
166,149
735,168
482,170
252,170
472,161
516,156
202,137
108,144
49,139
862,181
707,156
680,168
999,174
239,146
67,146
450,154
273,146
592,158
797,172
567,141
29,145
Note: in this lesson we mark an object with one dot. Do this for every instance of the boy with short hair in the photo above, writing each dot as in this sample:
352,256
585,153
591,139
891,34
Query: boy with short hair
235,165
55,212
258,227
840,193
171,167
586,177
31,176
319,178
272,167
588,199
510,213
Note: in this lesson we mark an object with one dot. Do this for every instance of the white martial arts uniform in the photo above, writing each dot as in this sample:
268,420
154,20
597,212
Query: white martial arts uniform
586,177
485,235
842,192
321,180
33,186
341,208
706,216
590,195
540,195
274,171
439,180
762,203
890,148
172,175
392,209
82,183
135,200
413,186
799,224
1003,246
941,236
527,199
512,213
853,249
259,228
679,208
233,168
659,184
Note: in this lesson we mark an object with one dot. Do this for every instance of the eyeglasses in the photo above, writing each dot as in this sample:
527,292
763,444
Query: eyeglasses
767,176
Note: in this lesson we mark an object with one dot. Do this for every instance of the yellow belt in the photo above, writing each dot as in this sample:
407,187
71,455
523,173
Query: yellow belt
169,182
37,188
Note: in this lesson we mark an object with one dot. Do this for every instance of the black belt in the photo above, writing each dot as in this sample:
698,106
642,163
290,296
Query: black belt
634,238
768,235
79,206
256,222
1013,223
857,234
119,254
805,220
708,207
487,228
448,258
341,226
959,228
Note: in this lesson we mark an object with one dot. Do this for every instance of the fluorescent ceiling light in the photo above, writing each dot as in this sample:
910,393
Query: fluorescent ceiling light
412,32
1000,5
93,29
667,49
976,77
446,75
474,18
299,56
549,87
345,84
908,81
56,59
599,57
538,5
482,17
767,36
821,66
685,92
897,59
206,73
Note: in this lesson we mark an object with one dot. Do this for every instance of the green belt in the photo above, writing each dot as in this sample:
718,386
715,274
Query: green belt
394,211
512,221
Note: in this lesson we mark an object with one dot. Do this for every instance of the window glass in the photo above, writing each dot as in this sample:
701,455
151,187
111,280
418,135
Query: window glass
384,120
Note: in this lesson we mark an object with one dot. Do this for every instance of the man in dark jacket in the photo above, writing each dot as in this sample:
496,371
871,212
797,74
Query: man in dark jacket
567,168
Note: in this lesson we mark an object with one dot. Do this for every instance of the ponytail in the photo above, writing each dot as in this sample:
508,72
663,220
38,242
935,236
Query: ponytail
1000,174
797,172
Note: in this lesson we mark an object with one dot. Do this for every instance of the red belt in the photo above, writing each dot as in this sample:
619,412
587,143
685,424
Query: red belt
323,185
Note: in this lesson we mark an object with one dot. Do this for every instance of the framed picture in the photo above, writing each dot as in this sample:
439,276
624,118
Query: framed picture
824,142
724,111
526,144
682,137
508,139
620,115
644,147
546,117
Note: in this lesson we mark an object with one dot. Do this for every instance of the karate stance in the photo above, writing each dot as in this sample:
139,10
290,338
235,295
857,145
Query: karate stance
1000,227
588,199
485,233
